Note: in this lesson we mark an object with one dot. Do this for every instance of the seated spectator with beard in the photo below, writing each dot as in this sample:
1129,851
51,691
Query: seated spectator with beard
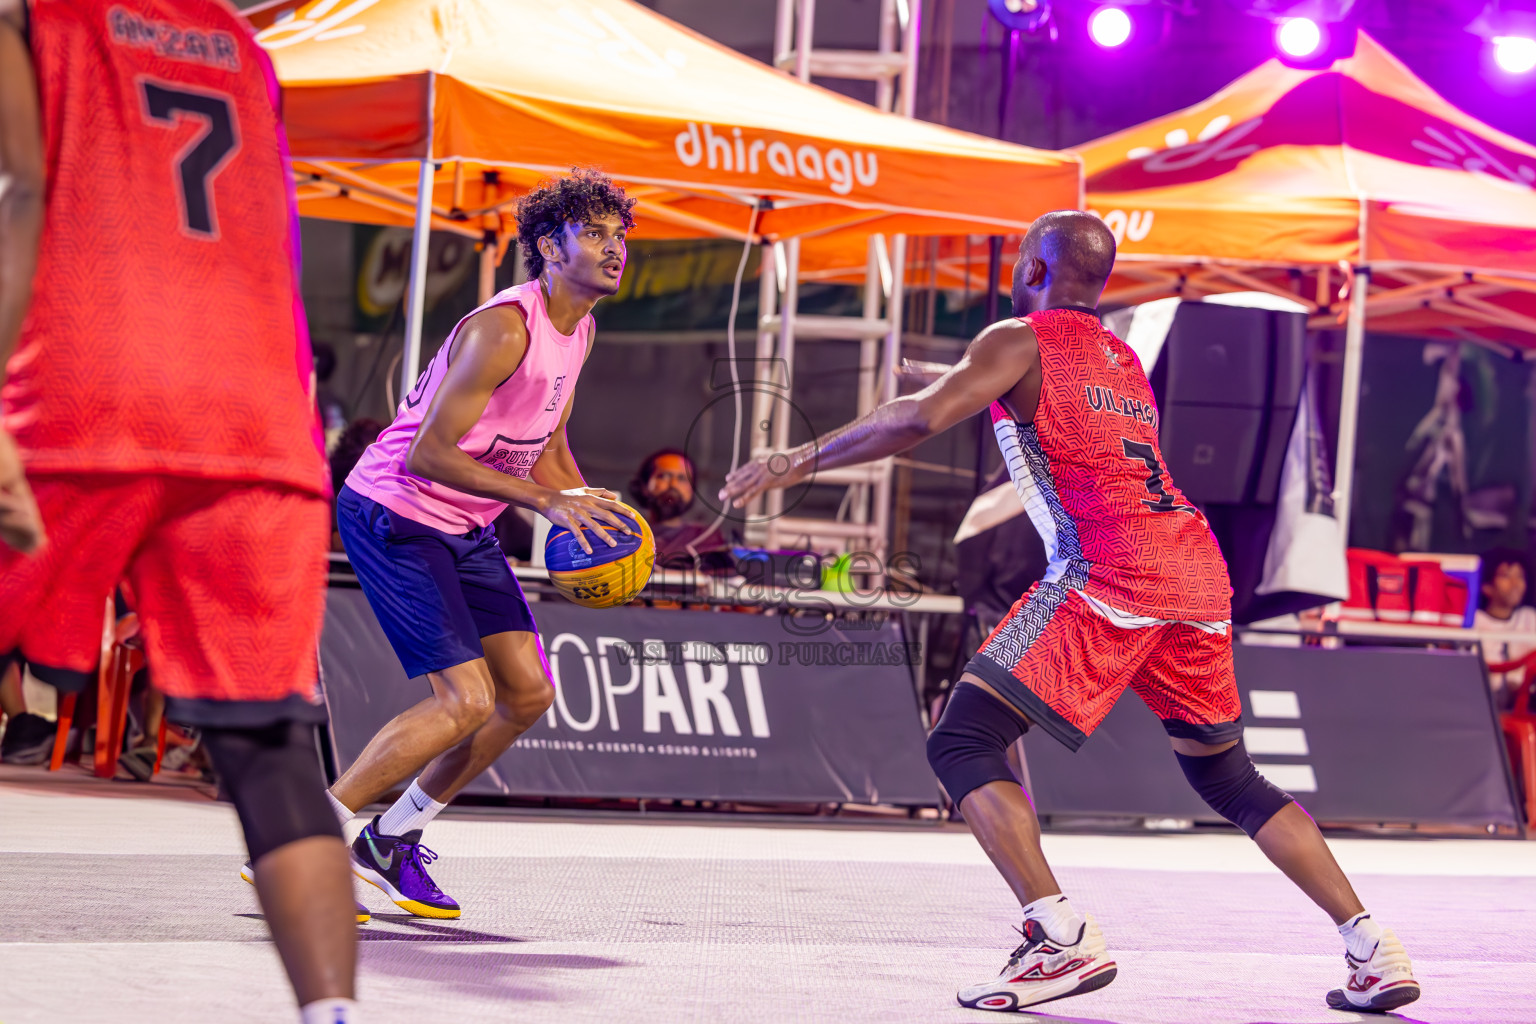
1502,609
663,490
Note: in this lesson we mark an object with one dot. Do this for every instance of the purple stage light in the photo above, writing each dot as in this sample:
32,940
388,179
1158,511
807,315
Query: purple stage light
1109,27
1299,37
1515,55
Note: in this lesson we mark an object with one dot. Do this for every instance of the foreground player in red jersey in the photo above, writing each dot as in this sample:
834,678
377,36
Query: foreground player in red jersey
1136,595
156,387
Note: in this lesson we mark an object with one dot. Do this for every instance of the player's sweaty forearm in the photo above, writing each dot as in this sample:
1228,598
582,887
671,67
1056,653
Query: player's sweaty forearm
893,427
452,467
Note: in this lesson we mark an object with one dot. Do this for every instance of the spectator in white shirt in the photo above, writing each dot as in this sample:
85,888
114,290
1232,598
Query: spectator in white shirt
1502,611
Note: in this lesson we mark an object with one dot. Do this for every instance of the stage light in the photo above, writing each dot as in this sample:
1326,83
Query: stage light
1515,55
1299,37
1020,15
1110,27
1509,28
1316,33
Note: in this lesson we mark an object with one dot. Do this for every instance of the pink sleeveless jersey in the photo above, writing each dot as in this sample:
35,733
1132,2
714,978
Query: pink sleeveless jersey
522,415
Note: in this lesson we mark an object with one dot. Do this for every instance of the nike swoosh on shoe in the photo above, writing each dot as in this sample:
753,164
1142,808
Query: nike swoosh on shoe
384,862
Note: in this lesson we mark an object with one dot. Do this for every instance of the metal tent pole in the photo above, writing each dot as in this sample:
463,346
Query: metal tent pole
755,530
1349,401
894,308
410,365
780,430
415,312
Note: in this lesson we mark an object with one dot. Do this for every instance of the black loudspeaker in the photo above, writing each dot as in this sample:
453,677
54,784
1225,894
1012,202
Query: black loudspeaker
1227,385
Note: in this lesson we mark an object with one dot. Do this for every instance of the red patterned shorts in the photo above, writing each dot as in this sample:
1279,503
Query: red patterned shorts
1064,663
228,580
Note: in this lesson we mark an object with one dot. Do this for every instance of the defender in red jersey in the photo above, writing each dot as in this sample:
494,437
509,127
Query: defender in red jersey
1136,594
156,387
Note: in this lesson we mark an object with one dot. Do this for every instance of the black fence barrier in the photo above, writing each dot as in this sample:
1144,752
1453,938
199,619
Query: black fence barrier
673,705
1361,735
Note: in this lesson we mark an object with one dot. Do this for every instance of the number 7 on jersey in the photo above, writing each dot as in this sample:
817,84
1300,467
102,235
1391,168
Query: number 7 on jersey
1160,500
202,159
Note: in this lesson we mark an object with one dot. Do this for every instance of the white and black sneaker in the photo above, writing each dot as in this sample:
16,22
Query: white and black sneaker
1042,969
1383,982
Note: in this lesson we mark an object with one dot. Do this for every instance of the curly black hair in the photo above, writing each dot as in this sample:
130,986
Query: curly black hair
577,198
1492,561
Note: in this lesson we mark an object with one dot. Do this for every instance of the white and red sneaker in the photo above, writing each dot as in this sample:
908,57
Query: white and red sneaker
1382,983
1042,969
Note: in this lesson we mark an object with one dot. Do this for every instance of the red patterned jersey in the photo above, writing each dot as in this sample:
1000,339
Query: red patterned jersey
166,333
1091,476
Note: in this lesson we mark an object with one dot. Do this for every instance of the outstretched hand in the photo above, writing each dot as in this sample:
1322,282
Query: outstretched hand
764,473
21,524
587,508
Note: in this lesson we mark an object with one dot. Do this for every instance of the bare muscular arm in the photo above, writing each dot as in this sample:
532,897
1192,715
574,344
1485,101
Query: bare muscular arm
1002,362
21,224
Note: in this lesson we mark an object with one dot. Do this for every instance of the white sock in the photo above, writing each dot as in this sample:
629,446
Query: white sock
343,813
1061,920
1361,933
329,1011
412,811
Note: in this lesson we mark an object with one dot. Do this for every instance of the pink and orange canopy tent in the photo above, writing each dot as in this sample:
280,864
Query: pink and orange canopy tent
1285,175
1357,191
1428,214
500,93
1361,165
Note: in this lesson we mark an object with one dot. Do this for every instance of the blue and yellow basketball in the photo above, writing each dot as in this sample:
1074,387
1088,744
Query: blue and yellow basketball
609,575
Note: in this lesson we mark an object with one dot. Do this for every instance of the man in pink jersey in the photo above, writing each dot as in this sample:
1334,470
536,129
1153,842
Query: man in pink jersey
483,428
1136,594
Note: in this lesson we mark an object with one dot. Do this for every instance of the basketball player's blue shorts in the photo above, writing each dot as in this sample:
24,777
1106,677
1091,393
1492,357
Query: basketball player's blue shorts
435,594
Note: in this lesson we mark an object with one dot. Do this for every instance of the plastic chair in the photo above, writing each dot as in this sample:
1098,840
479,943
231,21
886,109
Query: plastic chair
123,662
66,719
122,656
113,685
67,701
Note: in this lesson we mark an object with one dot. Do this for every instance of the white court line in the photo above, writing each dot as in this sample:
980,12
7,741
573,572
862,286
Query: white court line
654,983
34,823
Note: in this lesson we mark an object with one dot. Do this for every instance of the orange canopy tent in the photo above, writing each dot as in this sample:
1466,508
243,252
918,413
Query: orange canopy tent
498,93
1362,164
1288,171
1429,213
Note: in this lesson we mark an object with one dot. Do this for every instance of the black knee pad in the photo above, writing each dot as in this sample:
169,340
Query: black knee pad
273,776
966,749
1233,787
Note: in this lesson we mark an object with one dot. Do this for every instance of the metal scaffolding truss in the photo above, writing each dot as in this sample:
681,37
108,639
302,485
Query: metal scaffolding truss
864,519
